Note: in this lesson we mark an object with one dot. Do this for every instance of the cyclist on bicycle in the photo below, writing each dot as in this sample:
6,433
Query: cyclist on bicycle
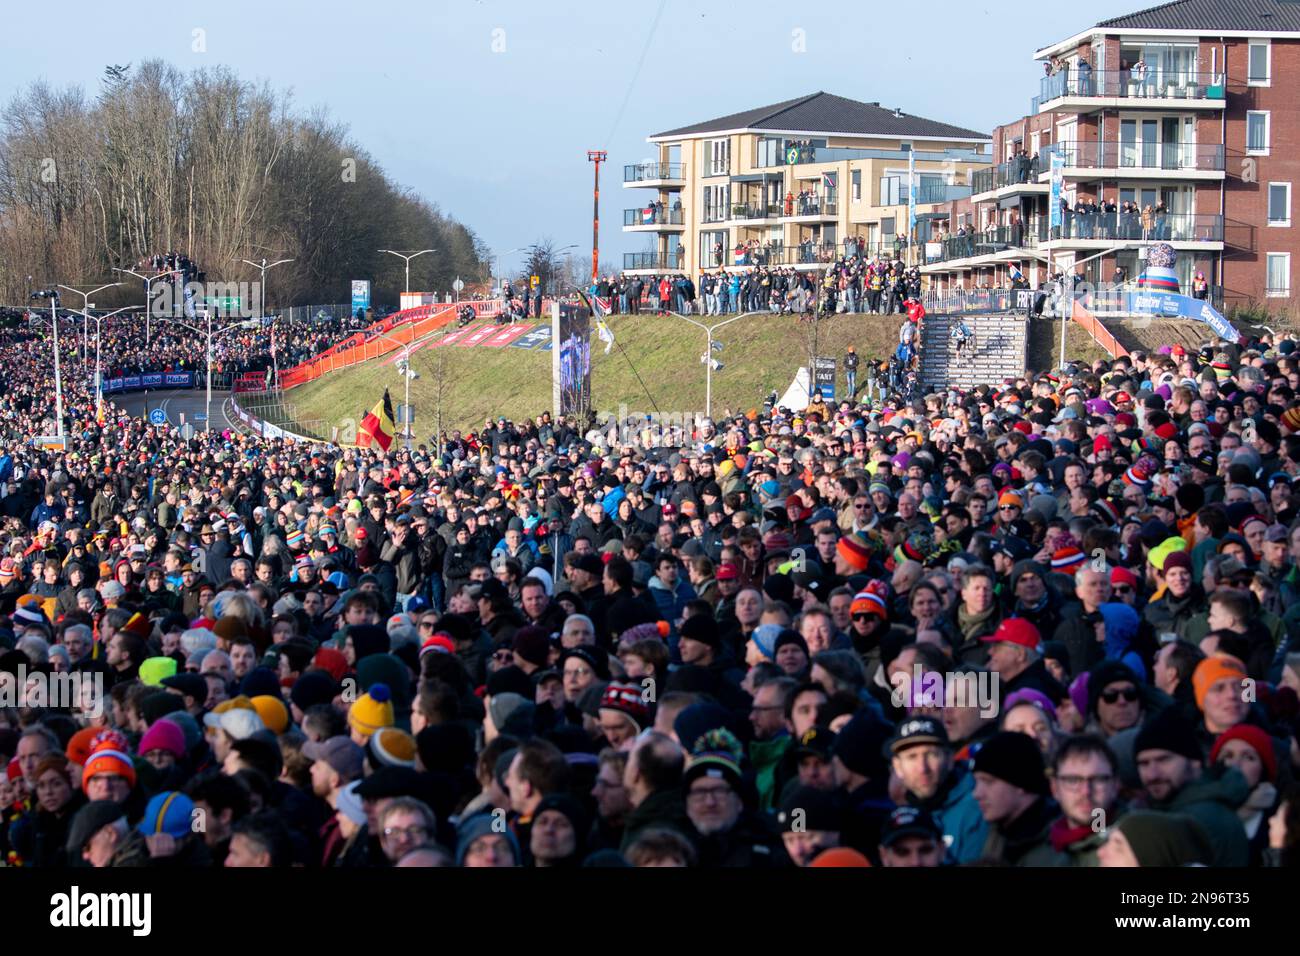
909,334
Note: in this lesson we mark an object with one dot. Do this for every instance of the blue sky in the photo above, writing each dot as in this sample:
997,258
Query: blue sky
565,76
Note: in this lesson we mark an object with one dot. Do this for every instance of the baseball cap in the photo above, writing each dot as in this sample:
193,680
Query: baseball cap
909,821
917,731
344,757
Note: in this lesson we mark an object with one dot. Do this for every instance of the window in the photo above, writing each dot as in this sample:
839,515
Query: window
887,228
715,204
857,185
1279,275
1259,68
1279,204
771,152
891,190
719,157
1257,132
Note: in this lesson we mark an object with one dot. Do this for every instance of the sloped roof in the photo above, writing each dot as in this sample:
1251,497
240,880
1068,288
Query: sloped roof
1201,15
826,113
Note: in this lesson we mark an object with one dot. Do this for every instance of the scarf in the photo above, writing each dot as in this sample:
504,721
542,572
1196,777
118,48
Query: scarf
969,623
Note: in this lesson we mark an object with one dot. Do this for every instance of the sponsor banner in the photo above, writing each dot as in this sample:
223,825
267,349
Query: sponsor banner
151,379
506,335
477,336
178,379
452,337
1172,306
539,337
130,382
571,368
824,376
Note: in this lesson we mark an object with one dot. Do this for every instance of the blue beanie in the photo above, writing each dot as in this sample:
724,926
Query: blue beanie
764,638
476,826
169,812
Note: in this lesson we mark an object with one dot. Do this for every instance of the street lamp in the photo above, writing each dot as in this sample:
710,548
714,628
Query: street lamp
210,335
148,281
99,322
264,266
85,322
408,258
708,354
500,280
53,296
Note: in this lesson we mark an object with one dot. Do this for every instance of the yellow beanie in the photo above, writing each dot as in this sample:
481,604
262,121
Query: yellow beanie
372,710
273,713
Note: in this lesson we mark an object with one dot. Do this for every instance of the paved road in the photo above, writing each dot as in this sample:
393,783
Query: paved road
176,402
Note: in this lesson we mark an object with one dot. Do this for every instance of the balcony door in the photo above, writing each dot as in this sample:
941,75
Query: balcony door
1139,143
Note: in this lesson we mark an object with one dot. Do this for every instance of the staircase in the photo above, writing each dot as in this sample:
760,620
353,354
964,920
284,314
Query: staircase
1000,350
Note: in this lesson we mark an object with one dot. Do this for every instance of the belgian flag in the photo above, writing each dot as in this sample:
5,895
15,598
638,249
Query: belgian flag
378,425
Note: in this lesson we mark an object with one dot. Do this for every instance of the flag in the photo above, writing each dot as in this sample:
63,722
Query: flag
378,425
604,332
647,216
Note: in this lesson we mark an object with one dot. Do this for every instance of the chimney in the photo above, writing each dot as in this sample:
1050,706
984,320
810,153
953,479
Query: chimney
898,114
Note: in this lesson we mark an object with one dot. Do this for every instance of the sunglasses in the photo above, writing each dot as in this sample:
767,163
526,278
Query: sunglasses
1008,508
1129,694
863,616
1123,589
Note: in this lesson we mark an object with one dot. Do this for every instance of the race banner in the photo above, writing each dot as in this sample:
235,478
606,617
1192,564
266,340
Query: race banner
478,336
505,336
571,362
538,337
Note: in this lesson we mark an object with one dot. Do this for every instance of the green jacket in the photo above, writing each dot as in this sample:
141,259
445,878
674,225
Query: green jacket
1213,800
766,756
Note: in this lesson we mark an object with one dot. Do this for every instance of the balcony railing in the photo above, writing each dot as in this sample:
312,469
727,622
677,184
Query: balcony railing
812,206
1201,157
661,262
747,210
1106,301
1143,227
1014,172
648,172
1151,83
652,216
986,242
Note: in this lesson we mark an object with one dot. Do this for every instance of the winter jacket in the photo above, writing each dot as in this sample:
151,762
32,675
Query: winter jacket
766,756
665,808
1171,615
1213,799
671,603
958,815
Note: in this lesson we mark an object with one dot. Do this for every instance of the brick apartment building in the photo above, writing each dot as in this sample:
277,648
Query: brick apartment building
793,184
1186,114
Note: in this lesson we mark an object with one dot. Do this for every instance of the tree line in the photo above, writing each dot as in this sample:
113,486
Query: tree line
218,168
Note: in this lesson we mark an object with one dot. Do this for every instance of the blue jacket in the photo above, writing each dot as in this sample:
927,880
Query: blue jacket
672,604
958,815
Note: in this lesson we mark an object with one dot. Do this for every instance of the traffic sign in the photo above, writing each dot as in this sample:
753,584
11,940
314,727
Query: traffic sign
458,285
200,417
157,416
405,414
187,431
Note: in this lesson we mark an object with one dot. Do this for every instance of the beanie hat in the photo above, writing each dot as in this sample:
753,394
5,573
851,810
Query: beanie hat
79,747
163,735
1015,758
169,812
625,697
720,764
105,759
189,727
441,642
1108,672
840,856
481,824
1010,498
860,745
869,602
313,687
1169,730
332,661
855,551
702,628
273,713
1291,418
501,706
1067,560
694,724
1166,839
764,638
533,644
1175,559
392,747
154,669
1257,739
1121,575
1212,670
372,710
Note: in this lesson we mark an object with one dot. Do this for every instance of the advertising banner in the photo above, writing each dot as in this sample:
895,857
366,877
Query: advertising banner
571,365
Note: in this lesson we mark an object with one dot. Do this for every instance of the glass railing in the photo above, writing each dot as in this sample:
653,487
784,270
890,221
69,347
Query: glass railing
1014,172
663,262
653,216
1142,225
1141,83
1204,157
986,242
836,154
645,172
1108,300
812,206
746,211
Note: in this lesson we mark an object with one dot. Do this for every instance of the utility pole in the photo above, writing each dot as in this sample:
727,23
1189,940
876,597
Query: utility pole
596,156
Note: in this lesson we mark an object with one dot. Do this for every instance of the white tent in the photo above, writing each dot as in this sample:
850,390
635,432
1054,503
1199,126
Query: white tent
796,396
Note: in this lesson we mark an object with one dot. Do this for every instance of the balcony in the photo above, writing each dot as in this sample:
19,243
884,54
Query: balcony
654,261
1086,90
1014,238
656,175
653,219
1009,178
811,209
1137,160
769,256
1204,230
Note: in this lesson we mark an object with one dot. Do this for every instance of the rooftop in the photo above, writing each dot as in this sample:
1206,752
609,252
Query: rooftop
826,113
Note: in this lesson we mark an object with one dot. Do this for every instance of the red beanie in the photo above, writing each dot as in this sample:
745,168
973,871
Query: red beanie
106,760
1257,739
855,551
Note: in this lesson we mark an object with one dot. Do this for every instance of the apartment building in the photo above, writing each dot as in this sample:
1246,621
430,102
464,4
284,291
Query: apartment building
1183,114
793,184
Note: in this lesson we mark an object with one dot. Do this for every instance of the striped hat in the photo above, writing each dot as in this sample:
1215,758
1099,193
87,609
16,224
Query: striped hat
1067,559
869,602
625,697
327,529
440,643
106,759
294,538
1291,419
1105,509
392,747
304,561
1137,475
30,616
169,812
855,551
